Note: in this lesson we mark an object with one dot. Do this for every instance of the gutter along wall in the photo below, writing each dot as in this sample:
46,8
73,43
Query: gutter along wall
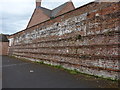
85,39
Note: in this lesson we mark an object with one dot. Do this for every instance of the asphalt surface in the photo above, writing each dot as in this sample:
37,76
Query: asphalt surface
0,73
23,74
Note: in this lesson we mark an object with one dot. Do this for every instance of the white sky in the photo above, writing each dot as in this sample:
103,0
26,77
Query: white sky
15,14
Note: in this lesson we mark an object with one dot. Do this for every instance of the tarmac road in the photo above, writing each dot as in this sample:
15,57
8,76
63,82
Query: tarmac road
0,72
23,74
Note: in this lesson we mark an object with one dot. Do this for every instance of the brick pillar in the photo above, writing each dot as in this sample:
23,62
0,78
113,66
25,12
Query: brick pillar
38,3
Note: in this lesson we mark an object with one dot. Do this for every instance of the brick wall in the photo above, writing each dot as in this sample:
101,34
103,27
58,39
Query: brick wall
4,48
85,39
37,17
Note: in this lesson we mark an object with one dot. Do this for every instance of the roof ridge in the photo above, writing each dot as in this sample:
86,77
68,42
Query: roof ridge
60,6
46,11
55,11
45,8
58,9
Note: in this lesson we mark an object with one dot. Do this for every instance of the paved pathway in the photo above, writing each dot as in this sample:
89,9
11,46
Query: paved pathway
21,74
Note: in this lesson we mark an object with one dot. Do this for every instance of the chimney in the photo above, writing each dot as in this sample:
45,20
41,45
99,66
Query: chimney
70,1
38,3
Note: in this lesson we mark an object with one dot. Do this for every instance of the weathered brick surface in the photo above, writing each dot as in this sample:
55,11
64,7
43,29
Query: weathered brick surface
86,39
4,48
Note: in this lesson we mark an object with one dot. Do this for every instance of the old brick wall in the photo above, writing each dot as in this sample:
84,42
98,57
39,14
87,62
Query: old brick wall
4,48
85,39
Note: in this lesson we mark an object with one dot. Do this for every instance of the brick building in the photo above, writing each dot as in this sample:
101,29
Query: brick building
42,14
4,44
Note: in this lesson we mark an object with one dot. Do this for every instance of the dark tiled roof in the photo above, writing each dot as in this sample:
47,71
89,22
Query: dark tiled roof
3,38
57,10
54,12
46,11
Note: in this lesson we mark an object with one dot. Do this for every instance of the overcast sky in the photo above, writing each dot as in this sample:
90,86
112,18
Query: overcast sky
15,14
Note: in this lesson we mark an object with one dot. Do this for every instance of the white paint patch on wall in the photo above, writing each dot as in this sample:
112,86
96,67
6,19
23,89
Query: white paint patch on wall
11,41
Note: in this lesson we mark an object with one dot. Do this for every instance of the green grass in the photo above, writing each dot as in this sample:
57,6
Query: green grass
39,62
73,72
59,67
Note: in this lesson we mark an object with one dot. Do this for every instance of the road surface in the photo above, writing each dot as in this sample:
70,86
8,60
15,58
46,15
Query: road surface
23,74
